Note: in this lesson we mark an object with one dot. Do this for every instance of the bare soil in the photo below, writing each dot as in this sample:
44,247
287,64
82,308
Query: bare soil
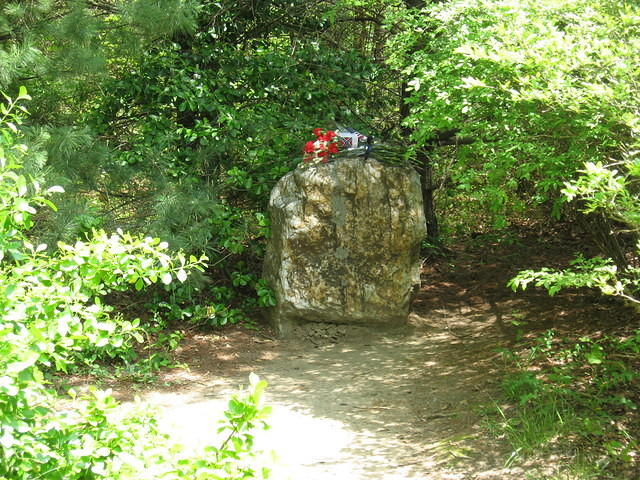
359,403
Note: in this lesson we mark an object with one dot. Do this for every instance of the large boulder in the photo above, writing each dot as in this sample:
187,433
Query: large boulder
345,244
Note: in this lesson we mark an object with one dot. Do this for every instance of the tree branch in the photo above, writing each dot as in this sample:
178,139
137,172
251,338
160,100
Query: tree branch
457,141
359,19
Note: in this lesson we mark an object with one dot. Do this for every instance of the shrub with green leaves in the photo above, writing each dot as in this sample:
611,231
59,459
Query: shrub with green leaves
52,316
574,398
546,89
610,191
174,118
543,86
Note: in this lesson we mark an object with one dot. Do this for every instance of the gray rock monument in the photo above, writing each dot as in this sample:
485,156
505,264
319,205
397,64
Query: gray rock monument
345,244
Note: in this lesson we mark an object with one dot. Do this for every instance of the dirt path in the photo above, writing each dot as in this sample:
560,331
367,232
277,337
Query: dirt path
396,404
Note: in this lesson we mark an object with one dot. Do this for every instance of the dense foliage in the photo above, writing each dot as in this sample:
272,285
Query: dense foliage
53,318
573,396
546,90
174,118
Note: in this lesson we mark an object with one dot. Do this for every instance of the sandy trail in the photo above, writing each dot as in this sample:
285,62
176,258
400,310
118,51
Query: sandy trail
395,404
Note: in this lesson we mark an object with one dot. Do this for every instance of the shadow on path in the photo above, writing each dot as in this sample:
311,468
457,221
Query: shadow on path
399,404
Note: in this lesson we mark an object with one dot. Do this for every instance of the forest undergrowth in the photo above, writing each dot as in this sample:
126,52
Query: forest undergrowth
566,375
134,191
570,386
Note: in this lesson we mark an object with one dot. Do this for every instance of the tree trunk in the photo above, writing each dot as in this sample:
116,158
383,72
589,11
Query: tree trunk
425,170
426,182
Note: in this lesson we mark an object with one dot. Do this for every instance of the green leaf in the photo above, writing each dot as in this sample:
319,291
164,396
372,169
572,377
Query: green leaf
22,93
181,275
21,185
55,189
594,357
29,360
236,407
23,206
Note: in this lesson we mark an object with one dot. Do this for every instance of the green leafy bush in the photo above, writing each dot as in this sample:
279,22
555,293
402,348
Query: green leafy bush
611,191
546,91
543,86
575,396
52,317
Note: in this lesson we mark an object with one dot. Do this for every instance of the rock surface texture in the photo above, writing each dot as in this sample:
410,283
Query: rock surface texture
345,244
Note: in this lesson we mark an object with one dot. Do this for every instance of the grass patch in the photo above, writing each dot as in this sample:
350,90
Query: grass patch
575,400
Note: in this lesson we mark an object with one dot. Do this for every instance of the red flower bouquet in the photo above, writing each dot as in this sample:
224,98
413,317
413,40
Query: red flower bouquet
320,150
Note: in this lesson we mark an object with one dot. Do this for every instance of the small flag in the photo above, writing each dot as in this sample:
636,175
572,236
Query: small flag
350,138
